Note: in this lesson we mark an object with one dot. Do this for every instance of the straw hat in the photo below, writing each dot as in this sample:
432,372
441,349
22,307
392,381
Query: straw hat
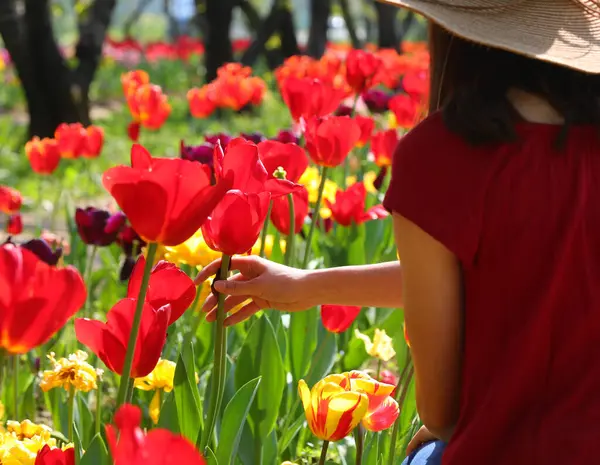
566,32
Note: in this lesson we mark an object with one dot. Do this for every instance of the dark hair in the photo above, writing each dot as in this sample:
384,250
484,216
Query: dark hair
469,83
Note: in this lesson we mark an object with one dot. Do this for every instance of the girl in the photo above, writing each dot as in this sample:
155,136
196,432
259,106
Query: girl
496,208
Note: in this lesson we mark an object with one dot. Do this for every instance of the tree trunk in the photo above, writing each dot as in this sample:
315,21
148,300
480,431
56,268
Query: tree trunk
134,17
287,31
219,14
386,22
406,24
252,15
350,24
317,37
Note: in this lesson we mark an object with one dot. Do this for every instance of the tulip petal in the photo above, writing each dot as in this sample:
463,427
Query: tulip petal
95,335
374,213
162,447
151,339
169,285
338,318
140,157
344,413
291,157
383,417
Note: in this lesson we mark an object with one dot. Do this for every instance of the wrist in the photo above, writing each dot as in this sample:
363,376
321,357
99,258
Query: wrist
314,284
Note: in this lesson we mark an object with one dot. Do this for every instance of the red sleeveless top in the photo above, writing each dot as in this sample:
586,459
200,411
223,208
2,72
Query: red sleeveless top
524,220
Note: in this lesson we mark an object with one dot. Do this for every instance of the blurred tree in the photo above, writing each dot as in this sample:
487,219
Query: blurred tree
55,92
277,27
387,16
218,15
350,24
319,23
133,18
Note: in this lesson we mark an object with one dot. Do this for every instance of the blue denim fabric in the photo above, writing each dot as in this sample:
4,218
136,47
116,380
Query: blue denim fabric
429,454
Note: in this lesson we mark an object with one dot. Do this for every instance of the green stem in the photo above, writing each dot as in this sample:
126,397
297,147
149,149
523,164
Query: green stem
315,217
379,363
129,395
2,370
324,452
289,246
258,450
400,396
359,439
347,161
135,327
219,363
197,318
263,236
16,386
87,277
98,424
70,409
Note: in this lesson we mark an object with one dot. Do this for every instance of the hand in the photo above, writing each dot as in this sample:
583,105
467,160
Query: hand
422,436
267,284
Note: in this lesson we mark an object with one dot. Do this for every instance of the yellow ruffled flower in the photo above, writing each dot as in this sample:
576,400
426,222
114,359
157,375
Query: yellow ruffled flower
193,252
159,380
21,442
311,179
380,347
72,371
368,180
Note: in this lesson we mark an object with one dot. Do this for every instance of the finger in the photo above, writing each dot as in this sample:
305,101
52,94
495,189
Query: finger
244,313
239,286
208,271
209,303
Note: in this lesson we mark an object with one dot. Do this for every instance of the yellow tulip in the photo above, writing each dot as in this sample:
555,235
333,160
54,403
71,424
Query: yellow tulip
69,372
380,347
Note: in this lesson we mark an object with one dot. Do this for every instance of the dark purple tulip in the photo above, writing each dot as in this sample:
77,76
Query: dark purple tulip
380,178
376,100
92,226
127,268
343,110
130,241
221,137
43,251
287,136
255,137
201,153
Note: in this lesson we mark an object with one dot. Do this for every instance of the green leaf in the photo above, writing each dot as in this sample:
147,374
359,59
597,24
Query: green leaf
260,356
323,357
168,414
85,420
187,398
211,458
96,454
371,451
356,245
302,341
233,422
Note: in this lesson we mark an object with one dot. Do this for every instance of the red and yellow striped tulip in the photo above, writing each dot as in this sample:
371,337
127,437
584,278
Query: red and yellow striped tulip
332,411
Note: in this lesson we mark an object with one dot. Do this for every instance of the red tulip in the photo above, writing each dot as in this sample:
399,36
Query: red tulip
36,299
236,222
361,68
43,155
404,109
109,340
131,445
339,318
330,140
165,199
168,285
15,224
416,84
132,80
149,106
133,131
201,102
71,139
307,97
366,125
10,200
349,206
48,456
280,213
241,162
93,142
288,156
383,146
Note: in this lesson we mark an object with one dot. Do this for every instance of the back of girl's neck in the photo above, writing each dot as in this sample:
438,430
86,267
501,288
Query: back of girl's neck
532,108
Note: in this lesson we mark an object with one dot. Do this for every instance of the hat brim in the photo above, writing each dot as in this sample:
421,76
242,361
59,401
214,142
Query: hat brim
558,31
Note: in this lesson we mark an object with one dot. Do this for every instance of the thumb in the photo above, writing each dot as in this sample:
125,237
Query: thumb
235,287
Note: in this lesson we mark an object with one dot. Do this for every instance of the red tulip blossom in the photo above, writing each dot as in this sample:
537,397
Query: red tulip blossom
405,110
15,224
280,213
149,106
48,456
307,97
236,222
109,340
10,200
241,162
98,227
130,445
71,139
167,285
329,140
339,318
361,68
383,145
36,299
165,199
93,143
349,206
416,84
290,157
43,155
387,377
366,125
132,80
201,101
